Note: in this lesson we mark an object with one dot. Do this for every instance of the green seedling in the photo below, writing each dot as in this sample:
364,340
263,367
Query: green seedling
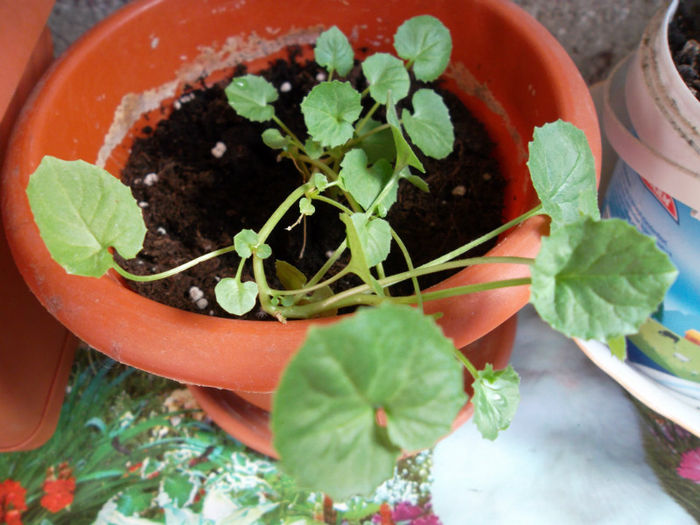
349,402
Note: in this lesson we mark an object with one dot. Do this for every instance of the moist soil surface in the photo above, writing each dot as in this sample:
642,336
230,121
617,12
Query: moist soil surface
203,174
684,40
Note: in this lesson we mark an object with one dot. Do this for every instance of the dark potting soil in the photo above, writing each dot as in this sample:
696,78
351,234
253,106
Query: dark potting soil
684,41
203,174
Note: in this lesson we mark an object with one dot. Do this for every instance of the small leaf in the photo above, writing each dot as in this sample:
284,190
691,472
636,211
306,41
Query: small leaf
599,279
365,183
495,399
263,251
81,211
305,206
430,126
334,52
426,42
250,96
274,139
379,145
290,276
418,182
313,149
178,488
330,110
324,413
320,181
371,238
563,172
404,153
235,297
385,73
244,242
618,347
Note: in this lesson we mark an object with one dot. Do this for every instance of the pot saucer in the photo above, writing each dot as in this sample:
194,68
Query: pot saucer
249,423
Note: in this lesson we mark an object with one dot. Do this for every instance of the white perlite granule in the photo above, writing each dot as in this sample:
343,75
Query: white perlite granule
196,294
219,150
150,179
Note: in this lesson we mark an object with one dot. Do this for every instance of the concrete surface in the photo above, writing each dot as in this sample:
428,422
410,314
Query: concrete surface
596,33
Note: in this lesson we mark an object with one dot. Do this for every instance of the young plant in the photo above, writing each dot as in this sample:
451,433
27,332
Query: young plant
349,402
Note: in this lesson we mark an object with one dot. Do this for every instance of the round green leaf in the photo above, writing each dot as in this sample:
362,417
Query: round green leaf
324,414
334,52
250,96
426,42
244,242
599,279
563,172
430,126
236,297
81,211
369,239
385,73
329,111
305,206
365,183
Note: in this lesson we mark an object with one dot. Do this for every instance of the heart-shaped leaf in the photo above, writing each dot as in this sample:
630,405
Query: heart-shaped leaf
236,297
334,52
496,398
244,242
369,239
274,139
385,73
81,211
599,279
330,109
250,97
563,172
365,183
426,43
430,126
324,419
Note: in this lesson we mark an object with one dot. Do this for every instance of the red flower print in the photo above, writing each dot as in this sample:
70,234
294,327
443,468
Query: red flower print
58,493
12,502
689,467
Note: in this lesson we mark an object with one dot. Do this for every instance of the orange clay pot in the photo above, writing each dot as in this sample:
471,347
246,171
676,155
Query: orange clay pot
508,69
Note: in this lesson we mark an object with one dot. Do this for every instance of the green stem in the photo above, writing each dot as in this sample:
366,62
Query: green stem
369,114
329,263
467,363
288,131
307,289
409,264
537,210
169,273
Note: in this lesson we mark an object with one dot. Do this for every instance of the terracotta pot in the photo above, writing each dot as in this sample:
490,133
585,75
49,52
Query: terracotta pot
508,69
36,352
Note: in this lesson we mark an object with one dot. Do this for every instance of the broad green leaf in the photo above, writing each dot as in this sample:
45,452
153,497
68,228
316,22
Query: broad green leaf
133,499
82,211
369,239
365,183
244,242
289,275
496,398
385,73
418,182
313,149
305,206
599,279
404,153
430,126
236,297
250,96
426,43
334,52
618,347
274,139
330,109
378,145
320,181
324,414
563,172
